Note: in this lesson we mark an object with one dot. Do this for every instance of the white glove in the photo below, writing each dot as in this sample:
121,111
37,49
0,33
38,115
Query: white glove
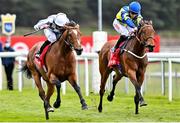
36,27
135,29
45,26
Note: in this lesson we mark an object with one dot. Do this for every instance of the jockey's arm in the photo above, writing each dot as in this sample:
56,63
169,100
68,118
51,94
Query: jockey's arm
123,15
128,20
44,23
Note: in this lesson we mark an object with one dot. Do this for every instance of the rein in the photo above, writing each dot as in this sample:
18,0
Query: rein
141,42
66,41
139,57
139,32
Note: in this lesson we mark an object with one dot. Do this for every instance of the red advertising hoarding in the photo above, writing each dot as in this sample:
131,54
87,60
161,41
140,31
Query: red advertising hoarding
21,43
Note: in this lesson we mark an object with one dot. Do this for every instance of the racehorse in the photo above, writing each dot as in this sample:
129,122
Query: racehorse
133,63
60,63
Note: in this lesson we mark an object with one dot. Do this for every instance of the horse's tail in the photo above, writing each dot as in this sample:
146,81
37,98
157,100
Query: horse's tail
26,70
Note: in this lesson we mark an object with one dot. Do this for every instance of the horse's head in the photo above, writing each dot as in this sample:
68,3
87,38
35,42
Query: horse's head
73,37
145,35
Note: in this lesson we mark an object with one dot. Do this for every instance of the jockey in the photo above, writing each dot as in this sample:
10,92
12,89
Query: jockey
126,22
53,29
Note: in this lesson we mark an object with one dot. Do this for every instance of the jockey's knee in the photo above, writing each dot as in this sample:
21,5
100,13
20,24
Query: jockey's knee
52,39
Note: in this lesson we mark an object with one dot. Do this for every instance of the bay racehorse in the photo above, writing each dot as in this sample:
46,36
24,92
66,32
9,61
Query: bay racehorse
133,63
60,63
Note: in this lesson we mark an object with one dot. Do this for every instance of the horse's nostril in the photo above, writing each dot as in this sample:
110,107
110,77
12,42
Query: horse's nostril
79,51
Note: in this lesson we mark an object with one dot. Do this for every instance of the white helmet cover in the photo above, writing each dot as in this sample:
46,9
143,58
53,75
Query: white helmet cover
61,19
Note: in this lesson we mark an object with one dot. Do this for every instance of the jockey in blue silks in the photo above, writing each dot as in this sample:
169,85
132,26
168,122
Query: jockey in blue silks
127,20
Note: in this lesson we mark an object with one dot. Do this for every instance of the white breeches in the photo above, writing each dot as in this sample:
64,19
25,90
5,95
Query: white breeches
50,35
121,29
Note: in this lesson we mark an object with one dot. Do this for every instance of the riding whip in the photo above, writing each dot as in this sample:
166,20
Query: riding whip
30,33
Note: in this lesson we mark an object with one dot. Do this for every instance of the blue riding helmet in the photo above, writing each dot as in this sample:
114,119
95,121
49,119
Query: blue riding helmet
135,7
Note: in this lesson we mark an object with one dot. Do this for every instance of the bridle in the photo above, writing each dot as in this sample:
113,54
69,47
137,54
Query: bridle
144,43
139,33
66,40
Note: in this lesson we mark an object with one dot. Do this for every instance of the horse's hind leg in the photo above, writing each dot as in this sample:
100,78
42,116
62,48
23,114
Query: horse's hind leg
116,78
104,77
72,80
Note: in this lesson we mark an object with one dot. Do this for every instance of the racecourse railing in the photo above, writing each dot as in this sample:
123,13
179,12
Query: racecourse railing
152,57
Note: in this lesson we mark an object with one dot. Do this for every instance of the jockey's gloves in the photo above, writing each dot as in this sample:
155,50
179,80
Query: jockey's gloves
135,29
37,27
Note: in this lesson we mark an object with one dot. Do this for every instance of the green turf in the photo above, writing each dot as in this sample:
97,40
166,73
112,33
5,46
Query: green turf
27,106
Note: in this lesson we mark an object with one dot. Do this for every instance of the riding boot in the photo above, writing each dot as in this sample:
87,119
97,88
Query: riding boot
121,39
42,47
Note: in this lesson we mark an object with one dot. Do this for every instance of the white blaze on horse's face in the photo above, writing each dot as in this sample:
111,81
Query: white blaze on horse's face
76,33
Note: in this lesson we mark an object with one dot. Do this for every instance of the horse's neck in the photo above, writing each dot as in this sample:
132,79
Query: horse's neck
63,47
136,47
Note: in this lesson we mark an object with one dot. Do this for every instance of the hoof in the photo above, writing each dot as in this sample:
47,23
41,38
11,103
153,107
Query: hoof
143,103
100,109
110,98
84,107
50,109
56,104
137,113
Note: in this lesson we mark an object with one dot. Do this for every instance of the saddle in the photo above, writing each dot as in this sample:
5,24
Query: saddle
114,56
40,63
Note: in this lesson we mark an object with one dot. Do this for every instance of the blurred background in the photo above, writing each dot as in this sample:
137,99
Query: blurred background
164,14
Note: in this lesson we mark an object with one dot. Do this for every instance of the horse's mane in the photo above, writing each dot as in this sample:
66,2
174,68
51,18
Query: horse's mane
71,23
143,22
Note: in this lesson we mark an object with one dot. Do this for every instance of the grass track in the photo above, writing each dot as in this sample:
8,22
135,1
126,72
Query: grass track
27,106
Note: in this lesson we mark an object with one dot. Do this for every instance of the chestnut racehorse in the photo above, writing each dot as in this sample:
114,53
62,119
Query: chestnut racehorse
61,65
133,63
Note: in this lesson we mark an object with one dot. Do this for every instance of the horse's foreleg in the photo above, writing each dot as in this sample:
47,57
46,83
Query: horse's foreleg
132,77
140,79
39,86
116,78
102,88
72,81
136,101
50,91
55,81
57,103
41,92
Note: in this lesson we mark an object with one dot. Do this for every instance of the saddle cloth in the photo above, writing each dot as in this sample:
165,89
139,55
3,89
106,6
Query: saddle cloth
40,62
114,56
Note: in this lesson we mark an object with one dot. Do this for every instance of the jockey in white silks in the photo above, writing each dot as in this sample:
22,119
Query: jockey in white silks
53,29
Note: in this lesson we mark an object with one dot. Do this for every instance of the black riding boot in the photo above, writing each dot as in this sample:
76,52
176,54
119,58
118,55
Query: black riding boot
121,39
42,47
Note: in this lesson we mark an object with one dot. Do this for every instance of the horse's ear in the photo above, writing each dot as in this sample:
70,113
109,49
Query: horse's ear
151,22
65,26
141,23
77,26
